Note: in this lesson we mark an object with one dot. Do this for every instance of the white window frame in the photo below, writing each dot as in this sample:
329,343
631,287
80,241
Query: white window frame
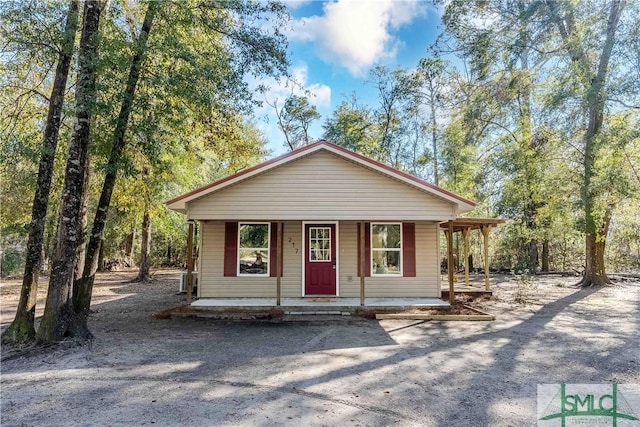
372,249
267,274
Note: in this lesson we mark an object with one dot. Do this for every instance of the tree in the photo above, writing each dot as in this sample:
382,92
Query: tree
544,63
195,67
83,286
59,319
353,126
503,63
193,84
432,82
396,92
22,328
294,119
592,63
145,247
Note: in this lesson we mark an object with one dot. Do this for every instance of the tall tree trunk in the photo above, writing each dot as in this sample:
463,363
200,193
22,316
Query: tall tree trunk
101,257
434,141
596,235
129,246
82,229
545,256
22,328
527,146
533,256
145,249
594,83
59,320
49,243
82,299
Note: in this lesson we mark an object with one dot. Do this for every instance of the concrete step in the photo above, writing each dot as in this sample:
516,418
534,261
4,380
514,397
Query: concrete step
317,317
310,312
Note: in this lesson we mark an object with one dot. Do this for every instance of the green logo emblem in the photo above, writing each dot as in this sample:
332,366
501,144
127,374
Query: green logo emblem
585,401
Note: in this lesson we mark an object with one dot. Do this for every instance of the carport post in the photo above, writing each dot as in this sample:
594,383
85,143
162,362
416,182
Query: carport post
190,261
362,263
485,233
450,262
465,235
279,261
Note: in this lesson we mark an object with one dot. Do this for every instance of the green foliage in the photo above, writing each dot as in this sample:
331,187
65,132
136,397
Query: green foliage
523,107
11,261
294,120
459,166
191,118
353,127
31,34
187,126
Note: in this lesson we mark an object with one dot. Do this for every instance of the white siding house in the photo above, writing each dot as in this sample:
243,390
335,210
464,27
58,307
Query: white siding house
318,199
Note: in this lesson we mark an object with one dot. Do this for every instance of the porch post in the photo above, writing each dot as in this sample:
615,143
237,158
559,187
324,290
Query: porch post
485,233
450,261
465,236
190,261
279,258
362,263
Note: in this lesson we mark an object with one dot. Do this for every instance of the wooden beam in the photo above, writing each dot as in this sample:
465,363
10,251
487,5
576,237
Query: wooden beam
452,295
465,236
485,234
362,263
190,263
279,261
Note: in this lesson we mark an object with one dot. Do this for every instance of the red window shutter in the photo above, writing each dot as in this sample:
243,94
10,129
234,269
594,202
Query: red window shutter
273,250
367,249
230,249
359,253
409,249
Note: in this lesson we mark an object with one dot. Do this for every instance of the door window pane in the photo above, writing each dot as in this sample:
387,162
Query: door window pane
319,244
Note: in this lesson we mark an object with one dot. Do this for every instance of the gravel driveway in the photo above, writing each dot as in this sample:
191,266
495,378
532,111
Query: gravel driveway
349,372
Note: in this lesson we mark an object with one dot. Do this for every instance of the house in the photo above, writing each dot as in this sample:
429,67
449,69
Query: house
320,221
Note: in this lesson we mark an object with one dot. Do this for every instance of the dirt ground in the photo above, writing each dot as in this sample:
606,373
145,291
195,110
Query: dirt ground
140,370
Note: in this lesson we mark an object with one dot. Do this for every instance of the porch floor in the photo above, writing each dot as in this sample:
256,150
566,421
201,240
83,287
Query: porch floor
319,303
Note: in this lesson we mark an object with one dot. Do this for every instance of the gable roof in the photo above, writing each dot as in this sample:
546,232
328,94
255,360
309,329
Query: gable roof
462,204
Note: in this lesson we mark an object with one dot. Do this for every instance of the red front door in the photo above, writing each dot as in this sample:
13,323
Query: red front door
320,259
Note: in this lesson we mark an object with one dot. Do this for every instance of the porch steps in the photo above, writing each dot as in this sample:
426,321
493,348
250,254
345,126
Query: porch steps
312,308
317,317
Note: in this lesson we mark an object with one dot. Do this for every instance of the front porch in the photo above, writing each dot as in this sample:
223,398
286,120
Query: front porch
335,305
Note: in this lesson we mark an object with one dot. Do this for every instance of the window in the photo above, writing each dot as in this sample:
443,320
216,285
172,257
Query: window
319,244
253,249
386,249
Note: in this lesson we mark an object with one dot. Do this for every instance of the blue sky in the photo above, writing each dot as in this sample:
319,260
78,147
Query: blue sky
333,45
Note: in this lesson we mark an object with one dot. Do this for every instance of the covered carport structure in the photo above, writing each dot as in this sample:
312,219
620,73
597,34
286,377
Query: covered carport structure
465,226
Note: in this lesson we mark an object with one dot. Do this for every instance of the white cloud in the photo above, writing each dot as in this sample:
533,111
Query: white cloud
318,94
357,34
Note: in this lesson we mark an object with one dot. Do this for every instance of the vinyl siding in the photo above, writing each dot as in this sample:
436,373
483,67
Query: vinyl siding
425,284
321,186
212,283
